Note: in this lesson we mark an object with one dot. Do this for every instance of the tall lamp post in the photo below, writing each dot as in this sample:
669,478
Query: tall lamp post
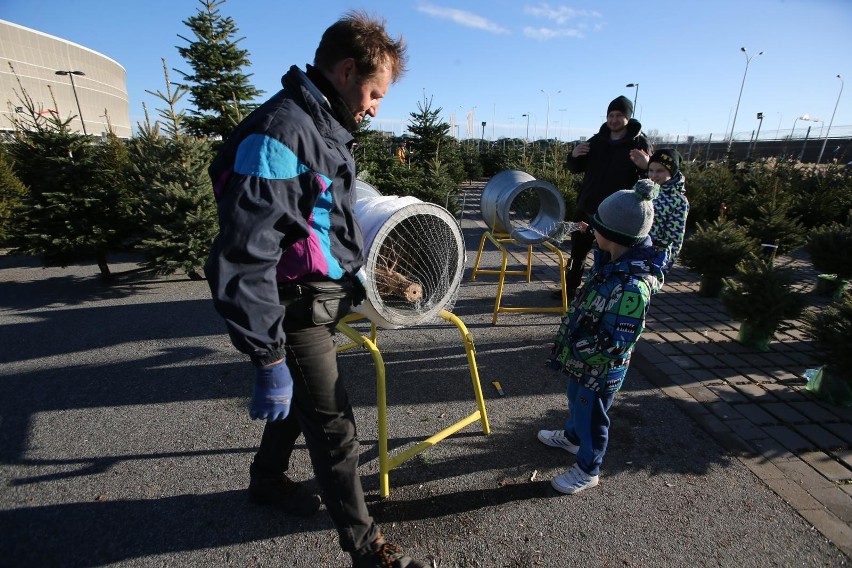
547,117
798,118
635,94
74,88
830,122
528,127
754,142
748,60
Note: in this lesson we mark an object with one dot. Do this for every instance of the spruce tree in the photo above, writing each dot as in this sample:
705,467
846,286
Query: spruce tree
169,173
219,90
76,208
434,154
830,248
12,193
766,201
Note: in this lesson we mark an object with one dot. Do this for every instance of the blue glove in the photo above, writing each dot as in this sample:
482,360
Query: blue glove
273,390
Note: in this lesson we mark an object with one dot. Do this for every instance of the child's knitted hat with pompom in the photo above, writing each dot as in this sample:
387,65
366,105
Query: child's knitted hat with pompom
626,216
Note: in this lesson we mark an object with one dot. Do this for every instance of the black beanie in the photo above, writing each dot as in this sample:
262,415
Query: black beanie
622,104
669,158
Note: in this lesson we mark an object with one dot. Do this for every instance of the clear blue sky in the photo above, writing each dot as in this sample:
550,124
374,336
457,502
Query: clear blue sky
494,58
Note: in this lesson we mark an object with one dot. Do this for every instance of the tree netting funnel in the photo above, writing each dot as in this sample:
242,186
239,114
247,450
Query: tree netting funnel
414,258
528,210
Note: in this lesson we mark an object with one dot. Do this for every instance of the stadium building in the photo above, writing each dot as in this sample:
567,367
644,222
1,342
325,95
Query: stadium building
61,77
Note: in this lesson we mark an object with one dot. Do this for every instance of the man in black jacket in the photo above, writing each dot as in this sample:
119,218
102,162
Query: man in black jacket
611,160
284,269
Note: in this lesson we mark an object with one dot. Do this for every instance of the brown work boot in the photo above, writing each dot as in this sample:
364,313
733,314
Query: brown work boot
283,493
382,554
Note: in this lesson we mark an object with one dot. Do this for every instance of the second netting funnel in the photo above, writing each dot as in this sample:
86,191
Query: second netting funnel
414,259
529,210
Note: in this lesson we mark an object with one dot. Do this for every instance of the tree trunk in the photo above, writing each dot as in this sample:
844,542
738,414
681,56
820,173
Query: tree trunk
106,275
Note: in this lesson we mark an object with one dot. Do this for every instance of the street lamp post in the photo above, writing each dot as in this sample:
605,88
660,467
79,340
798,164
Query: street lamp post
754,142
635,94
748,60
547,117
802,152
562,121
528,126
830,122
798,118
74,88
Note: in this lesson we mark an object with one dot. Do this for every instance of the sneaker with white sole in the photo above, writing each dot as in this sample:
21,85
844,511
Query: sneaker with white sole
574,480
557,439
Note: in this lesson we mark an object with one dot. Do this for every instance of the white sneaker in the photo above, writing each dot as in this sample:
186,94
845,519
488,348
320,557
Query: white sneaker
557,439
574,480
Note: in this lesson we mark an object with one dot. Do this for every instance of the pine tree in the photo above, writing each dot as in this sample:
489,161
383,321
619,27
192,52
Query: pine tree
77,208
219,90
429,132
434,154
830,248
714,250
177,204
12,193
761,295
767,207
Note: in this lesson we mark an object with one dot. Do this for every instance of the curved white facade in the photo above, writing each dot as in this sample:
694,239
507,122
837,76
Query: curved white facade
36,57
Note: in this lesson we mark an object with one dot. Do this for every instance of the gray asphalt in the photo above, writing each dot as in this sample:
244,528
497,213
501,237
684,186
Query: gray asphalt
125,441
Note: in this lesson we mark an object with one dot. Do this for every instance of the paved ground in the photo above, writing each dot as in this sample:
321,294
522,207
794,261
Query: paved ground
125,439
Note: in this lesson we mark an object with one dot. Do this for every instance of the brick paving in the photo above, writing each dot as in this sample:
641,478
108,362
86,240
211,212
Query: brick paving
755,404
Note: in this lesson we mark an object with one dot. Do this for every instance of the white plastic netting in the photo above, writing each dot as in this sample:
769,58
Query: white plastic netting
529,210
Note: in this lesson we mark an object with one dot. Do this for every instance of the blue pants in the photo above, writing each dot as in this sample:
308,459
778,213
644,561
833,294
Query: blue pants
588,424
322,412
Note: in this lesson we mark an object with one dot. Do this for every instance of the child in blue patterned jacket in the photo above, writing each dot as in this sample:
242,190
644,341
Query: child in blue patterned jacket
603,324
671,206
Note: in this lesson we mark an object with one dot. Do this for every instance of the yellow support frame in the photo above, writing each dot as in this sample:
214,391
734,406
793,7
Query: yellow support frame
499,240
387,462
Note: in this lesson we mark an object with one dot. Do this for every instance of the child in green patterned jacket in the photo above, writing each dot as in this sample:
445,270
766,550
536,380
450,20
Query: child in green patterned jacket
600,330
671,206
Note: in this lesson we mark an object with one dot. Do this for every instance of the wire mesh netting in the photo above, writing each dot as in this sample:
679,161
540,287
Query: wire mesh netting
414,262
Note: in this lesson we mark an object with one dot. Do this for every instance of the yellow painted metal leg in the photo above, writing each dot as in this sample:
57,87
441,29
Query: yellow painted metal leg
470,350
386,462
475,270
381,402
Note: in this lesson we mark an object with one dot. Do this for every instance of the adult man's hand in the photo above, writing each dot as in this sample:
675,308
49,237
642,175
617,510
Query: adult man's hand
273,390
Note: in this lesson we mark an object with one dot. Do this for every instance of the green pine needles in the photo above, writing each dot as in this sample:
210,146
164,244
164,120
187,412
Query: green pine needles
761,295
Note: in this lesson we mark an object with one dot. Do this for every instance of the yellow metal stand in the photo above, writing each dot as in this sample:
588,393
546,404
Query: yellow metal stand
386,462
499,240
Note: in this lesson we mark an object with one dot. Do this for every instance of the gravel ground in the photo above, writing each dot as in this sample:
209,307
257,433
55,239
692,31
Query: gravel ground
126,442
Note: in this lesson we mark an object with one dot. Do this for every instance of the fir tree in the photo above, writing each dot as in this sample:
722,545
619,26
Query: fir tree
761,295
12,193
767,209
830,248
218,88
428,130
377,164
177,204
830,330
434,154
77,208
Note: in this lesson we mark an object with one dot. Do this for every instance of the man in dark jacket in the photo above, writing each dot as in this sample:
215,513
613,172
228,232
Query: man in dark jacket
282,271
611,161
